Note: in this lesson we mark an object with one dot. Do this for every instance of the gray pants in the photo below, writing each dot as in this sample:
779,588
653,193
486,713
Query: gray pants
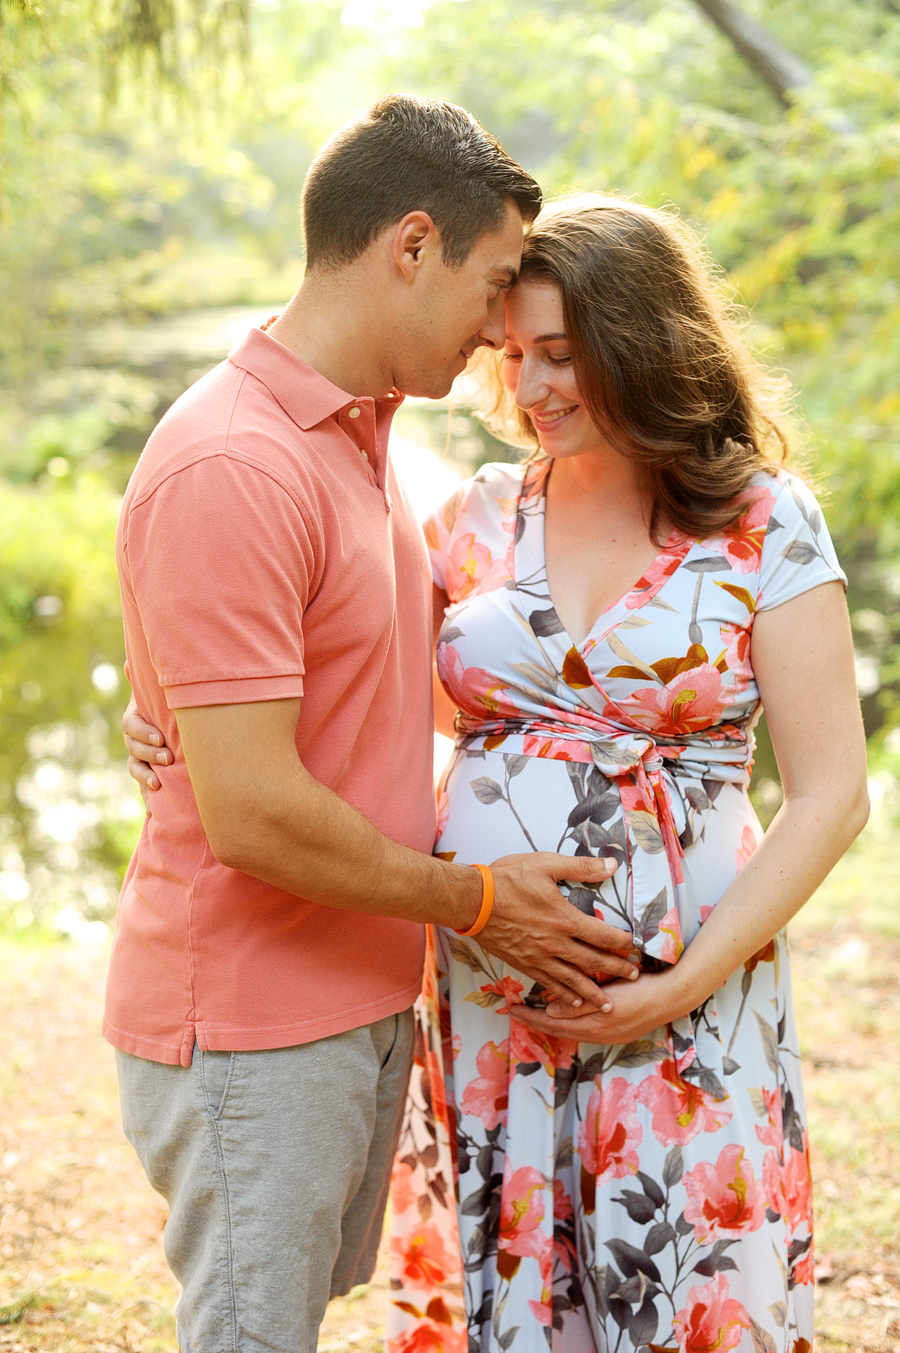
275,1166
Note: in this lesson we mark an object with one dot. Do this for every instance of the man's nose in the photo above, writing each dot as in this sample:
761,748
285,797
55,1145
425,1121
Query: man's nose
492,333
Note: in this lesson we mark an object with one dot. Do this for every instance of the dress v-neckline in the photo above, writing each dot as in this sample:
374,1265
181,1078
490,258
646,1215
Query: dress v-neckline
675,547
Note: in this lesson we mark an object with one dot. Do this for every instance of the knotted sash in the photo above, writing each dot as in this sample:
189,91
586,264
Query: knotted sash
660,908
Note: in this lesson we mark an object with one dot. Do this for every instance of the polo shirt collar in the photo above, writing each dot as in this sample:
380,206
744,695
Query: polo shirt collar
307,397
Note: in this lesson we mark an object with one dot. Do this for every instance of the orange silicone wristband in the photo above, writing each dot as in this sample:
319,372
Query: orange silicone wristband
487,901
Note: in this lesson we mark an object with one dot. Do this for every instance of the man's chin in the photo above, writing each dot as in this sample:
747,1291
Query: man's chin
430,385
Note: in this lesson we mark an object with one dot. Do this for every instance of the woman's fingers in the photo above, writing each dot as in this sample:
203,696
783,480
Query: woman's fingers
142,773
150,755
144,742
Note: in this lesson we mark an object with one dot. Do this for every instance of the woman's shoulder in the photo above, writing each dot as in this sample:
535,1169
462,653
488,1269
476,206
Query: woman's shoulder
494,488
498,479
773,501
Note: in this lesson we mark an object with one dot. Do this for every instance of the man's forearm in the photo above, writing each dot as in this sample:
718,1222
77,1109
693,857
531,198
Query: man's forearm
263,813
308,841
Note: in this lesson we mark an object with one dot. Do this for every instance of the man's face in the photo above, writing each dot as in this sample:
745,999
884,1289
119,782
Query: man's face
453,311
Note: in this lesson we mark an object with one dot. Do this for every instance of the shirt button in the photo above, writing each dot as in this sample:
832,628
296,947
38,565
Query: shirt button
364,454
355,412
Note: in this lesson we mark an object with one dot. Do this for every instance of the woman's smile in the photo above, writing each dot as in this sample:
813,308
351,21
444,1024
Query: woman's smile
547,420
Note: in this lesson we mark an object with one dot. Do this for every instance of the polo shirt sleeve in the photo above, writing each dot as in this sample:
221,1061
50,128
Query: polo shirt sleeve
222,567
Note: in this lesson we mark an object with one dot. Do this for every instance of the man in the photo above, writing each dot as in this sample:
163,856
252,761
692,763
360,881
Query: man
276,599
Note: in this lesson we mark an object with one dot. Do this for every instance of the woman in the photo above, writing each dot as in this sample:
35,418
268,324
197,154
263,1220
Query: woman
638,1177
635,1175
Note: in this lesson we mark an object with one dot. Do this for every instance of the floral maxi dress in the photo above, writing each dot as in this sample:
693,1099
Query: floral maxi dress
655,1195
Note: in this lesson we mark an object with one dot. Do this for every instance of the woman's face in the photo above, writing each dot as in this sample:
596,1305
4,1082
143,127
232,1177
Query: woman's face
538,369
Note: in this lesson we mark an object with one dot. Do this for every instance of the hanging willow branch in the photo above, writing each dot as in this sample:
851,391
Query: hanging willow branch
174,38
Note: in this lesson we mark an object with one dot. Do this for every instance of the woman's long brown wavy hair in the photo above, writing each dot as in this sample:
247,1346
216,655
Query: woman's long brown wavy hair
660,358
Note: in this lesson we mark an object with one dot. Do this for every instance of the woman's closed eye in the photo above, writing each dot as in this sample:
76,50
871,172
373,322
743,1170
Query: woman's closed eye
553,358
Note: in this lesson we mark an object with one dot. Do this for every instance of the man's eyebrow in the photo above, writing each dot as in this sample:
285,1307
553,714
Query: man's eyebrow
507,277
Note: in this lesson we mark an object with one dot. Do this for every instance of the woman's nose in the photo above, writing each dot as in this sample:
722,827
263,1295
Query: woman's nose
531,386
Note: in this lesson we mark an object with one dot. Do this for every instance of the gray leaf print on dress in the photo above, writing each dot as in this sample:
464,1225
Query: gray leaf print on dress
486,790
545,623
800,552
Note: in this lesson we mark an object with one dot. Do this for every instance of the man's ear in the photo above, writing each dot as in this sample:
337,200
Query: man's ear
415,238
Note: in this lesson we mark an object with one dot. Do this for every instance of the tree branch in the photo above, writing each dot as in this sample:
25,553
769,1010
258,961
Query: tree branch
782,71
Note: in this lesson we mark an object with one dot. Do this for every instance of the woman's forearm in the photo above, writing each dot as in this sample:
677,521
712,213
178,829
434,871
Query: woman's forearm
807,837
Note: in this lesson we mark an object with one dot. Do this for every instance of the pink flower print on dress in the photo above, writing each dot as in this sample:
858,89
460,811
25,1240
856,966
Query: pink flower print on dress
608,1137
659,572
429,1336
673,945
711,1320
554,749
424,1260
443,810
563,1207
543,1310
510,988
563,1213
724,1200
434,1074
487,1097
681,1111
742,541
472,568
746,848
521,1212
773,1133
803,1270
402,1194
735,657
474,690
691,701
789,1186
528,1047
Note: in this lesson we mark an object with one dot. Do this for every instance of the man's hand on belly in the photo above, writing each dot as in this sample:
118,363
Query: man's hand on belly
535,930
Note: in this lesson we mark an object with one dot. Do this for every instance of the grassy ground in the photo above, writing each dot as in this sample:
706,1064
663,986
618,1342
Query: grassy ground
81,1264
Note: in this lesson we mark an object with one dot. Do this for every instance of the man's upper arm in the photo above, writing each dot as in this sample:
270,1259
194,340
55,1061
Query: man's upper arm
242,760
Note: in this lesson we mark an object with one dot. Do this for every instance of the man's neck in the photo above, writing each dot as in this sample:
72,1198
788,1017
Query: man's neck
333,324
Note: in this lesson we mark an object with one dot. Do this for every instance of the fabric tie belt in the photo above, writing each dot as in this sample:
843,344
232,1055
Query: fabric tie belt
660,911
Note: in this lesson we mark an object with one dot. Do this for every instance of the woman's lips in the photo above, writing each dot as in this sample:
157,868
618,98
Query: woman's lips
548,422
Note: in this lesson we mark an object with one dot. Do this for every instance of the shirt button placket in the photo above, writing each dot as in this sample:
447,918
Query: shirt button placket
353,412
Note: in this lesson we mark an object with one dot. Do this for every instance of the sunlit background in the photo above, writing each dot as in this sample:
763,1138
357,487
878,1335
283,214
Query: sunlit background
151,161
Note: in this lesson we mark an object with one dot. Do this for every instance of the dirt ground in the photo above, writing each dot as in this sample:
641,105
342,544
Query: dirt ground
81,1262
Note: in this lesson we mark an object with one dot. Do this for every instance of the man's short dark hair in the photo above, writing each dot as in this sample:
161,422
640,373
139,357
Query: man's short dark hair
409,154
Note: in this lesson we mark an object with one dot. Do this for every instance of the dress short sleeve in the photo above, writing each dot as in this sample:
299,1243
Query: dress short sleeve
470,537
797,552
438,529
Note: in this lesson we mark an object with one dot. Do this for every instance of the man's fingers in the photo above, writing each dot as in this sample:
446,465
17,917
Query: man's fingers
574,987
581,868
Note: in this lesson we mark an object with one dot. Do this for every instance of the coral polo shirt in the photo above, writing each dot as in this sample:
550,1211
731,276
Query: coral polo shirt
266,551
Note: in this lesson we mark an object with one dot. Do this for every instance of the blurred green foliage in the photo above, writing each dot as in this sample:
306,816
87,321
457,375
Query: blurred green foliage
156,170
